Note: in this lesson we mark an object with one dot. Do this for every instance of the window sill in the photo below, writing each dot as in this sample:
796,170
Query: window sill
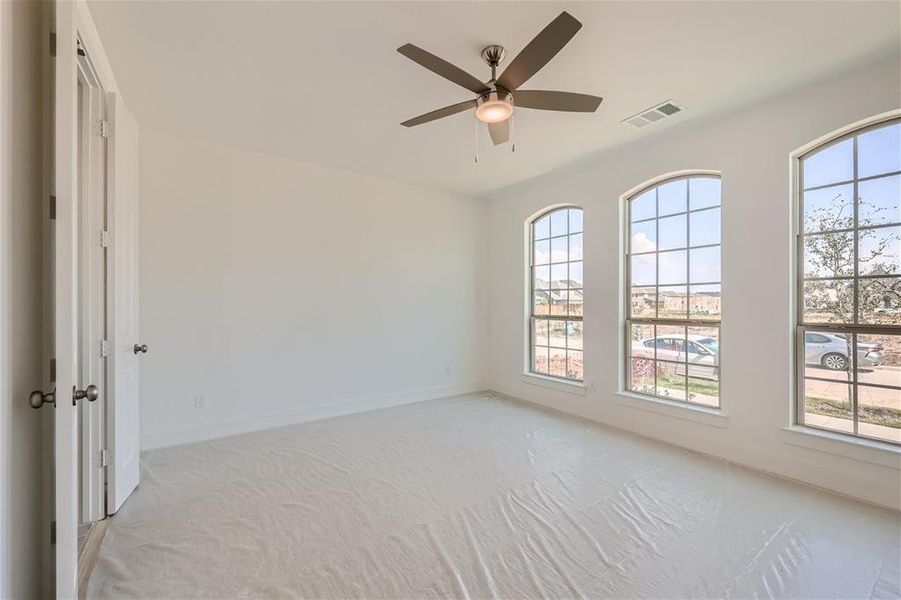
553,383
871,451
680,410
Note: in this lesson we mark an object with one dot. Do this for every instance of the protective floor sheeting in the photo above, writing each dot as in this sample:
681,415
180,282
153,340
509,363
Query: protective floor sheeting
481,497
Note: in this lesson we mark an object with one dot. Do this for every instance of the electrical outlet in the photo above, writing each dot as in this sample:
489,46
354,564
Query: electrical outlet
199,402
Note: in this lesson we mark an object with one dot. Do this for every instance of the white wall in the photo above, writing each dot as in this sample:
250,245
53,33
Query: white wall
751,149
281,291
24,505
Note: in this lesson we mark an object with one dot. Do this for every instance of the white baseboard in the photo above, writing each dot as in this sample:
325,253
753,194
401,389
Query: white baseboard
208,431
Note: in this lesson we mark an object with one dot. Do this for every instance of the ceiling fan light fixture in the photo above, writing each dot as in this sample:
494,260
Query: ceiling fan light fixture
494,107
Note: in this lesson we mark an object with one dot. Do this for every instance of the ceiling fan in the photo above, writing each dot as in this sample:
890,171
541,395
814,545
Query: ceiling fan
494,102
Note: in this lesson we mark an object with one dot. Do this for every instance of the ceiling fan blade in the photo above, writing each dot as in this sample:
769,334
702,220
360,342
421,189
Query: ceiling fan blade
500,132
441,112
564,101
540,51
442,67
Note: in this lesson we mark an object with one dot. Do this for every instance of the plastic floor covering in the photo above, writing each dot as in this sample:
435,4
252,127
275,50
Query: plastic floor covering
479,496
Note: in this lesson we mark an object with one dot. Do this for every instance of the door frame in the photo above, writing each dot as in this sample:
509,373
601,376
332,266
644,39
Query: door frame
92,278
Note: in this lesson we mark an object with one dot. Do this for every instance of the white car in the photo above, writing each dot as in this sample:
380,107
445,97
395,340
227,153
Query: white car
703,353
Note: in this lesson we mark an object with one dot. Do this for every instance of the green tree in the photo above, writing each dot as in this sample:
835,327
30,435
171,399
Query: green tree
830,254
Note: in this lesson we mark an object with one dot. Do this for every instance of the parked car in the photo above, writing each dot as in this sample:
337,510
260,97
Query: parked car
703,353
830,350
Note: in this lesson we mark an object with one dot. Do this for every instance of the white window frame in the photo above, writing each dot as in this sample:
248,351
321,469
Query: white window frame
798,324
626,285
575,385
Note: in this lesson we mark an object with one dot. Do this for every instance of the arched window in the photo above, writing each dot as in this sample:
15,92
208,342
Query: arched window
555,294
849,284
673,290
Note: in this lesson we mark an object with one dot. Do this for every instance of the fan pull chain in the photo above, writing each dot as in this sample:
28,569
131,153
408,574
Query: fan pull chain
512,135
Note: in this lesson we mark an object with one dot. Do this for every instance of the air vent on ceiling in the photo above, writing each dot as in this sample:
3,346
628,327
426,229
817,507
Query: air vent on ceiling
652,115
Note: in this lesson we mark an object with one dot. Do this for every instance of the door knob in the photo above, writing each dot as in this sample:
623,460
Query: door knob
141,348
38,399
90,393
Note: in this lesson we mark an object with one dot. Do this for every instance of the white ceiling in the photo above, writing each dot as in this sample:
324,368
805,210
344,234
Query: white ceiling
322,82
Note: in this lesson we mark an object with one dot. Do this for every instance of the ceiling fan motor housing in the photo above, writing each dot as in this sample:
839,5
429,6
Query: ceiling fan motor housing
496,92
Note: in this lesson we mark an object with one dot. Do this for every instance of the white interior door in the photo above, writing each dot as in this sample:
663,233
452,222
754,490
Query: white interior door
124,385
65,334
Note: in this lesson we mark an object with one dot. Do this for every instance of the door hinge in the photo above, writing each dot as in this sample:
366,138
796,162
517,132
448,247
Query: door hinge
103,238
104,348
103,457
105,129
53,370
52,43
52,533
52,208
